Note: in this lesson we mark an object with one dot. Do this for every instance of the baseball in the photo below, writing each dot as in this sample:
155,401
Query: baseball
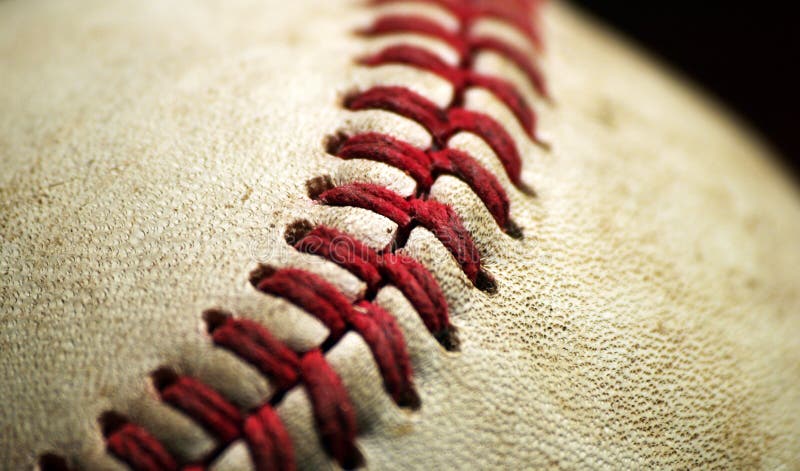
384,234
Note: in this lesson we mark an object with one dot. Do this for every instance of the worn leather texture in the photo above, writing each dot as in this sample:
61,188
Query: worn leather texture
153,153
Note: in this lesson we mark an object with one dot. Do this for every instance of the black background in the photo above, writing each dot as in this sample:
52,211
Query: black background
745,53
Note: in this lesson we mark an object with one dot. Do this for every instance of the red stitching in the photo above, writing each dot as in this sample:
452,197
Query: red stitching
134,445
262,429
382,334
378,329
466,46
410,212
255,345
425,166
517,13
309,292
206,406
269,444
334,414
380,269
442,124
461,79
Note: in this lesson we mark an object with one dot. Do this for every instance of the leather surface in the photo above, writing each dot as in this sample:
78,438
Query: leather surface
154,152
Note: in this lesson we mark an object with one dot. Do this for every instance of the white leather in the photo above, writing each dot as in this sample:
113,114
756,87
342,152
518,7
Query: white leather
154,152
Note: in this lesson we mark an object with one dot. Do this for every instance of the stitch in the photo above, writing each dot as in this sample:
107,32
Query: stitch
378,329
203,404
410,212
460,79
339,248
425,166
382,334
516,13
443,124
378,270
261,429
467,47
134,445
309,292
254,344
332,409
334,414
269,444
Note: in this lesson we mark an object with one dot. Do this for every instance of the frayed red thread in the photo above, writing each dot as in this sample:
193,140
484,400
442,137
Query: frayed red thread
333,412
443,124
378,329
255,345
134,445
425,166
517,13
347,252
407,213
262,430
390,24
467,47
460,78
312,294
269,443
380,269
205,405
424,293
517,57
382,334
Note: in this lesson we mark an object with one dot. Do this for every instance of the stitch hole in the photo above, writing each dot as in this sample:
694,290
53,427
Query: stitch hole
526,189
263,271
334,142
215,318
296,231
163,377
485,282
110,422
52,462
410,401
318,185
513,230
448,338
349,96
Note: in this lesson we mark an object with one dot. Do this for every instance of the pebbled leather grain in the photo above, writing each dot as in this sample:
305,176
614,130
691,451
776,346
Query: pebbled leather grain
154,152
